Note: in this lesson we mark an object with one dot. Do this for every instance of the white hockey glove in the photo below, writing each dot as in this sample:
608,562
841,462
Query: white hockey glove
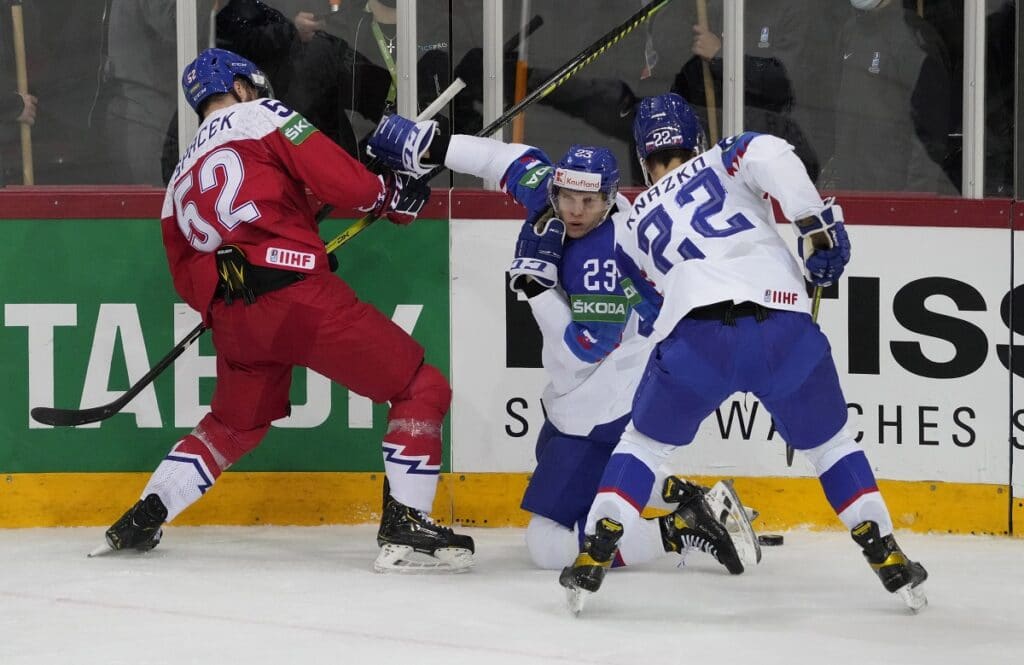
400,144
538,254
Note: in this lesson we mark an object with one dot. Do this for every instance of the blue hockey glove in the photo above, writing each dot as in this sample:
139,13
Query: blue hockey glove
824,266
400,143
538,254
401,199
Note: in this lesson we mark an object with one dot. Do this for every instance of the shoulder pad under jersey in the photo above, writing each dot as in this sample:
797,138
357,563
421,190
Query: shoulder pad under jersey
733,148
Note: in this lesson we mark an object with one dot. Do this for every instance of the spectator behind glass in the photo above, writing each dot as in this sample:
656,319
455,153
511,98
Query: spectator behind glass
370,28
785,73
893,105
139,85
310,69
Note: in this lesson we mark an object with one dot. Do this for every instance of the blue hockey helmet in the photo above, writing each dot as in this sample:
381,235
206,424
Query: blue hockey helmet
586,168
663,122
213,72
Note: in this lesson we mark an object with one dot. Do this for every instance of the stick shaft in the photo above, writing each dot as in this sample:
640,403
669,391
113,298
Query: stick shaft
447,95
522,70
18,23
710,99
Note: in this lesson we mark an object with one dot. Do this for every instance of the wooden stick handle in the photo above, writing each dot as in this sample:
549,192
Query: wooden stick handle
519,122
709,83
27,171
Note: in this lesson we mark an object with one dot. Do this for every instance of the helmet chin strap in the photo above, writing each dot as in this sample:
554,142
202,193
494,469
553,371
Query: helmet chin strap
643,169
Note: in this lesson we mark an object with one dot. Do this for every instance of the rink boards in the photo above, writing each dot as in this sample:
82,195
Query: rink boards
921,325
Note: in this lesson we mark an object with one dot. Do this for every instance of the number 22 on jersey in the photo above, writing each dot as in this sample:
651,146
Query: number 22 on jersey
221,168
700,200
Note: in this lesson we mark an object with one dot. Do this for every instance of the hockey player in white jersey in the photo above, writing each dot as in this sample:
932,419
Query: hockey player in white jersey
592,351
733,315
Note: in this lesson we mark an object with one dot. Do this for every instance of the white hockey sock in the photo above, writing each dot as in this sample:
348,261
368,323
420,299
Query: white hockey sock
868,507
642,543
182,477
413,480
551,545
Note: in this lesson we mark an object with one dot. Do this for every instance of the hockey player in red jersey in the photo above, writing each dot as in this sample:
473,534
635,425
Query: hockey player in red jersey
244,251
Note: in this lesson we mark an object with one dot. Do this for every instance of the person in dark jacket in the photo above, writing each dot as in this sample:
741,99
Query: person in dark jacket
785,75
893,105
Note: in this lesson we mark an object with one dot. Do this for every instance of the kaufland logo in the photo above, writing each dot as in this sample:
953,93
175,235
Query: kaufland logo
581,180
290,259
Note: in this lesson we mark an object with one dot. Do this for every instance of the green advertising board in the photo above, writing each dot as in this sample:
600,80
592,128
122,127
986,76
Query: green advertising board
89,307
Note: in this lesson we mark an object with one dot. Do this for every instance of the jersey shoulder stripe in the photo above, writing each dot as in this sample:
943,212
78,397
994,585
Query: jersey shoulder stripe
733,149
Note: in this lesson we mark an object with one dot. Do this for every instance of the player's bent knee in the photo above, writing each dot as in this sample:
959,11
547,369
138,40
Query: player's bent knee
824,455
227,443
551,545
643,446
428,393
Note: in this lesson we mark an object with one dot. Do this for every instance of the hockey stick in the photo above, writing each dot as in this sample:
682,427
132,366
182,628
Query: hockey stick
522,69
815,305
18,24
709,83
563,74
74,417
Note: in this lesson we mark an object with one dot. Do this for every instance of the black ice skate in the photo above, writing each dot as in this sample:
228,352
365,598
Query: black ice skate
693,525
405,531
138,529
899,574
585,575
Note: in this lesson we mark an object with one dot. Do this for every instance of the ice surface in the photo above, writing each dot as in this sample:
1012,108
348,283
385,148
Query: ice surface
252,595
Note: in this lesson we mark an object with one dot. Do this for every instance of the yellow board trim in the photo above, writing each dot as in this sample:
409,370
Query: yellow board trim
471,499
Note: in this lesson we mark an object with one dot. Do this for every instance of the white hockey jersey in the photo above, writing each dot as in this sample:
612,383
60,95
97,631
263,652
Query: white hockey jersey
706,232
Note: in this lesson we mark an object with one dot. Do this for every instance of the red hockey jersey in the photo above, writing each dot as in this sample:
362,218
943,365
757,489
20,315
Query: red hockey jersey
243,182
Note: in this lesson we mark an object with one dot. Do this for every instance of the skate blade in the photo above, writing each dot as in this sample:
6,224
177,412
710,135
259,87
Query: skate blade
576,598
914,598
100,551
737,518
404,559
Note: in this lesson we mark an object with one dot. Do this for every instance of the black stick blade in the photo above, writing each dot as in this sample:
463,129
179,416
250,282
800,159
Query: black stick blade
72,417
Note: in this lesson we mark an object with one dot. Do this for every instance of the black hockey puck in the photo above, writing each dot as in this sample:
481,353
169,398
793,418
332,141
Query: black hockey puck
769,539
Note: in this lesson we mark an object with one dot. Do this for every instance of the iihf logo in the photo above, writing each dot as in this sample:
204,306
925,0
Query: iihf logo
774,297
273,256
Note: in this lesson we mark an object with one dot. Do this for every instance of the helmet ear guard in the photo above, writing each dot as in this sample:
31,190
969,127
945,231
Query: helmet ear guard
214,71
586,169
